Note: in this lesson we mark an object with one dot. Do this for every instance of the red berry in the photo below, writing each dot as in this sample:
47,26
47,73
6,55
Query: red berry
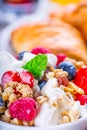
27,78
9,76
60,58
23,109
81,79
40,50
81,98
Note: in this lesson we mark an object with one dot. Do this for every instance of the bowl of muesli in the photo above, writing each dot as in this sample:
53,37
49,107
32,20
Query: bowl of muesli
41,90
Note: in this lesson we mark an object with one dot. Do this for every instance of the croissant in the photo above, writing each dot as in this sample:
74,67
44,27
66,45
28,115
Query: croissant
77,16
58,37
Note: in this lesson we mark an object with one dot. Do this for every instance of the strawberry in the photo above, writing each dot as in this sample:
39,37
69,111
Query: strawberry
81,98
27,78
81,79
10,76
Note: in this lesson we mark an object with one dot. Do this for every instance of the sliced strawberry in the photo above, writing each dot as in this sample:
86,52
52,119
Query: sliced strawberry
81,98
10,76
22,77
27,78
81,79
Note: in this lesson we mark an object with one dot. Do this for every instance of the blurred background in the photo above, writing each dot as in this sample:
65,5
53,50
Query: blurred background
16,13
11,10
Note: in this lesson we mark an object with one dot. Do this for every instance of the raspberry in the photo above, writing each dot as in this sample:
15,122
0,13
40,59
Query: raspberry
40,50
27,78
23,109
81,79
60,58
81,98
9,76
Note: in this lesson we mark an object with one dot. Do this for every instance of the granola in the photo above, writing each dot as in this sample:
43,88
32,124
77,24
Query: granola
28,99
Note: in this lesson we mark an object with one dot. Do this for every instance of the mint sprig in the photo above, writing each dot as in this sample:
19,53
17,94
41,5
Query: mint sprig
37,65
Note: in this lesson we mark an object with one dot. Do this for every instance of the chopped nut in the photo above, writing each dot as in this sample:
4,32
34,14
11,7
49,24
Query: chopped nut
64,113
55,104
78,64
30,123
7,114
75,88
65,119
63,81
5,118
7,92
15,121
2,109
12,97
66,89
50,75
14,90
41,99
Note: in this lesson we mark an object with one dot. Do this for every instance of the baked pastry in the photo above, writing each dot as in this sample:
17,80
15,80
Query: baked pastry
77,16
58,36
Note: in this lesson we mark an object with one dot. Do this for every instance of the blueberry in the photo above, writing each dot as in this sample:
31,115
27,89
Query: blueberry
20,55
1,102
42,83
69,68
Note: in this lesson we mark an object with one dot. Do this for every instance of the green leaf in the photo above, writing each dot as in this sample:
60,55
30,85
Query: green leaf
37,65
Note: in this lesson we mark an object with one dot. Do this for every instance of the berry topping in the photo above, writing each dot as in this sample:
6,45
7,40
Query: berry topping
81,98
10,76
40,50
27,78
20,55
1,102
81,79
60,58
42,83
69,68
23,77
23,109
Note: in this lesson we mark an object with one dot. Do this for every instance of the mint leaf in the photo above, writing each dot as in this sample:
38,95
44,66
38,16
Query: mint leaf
37,65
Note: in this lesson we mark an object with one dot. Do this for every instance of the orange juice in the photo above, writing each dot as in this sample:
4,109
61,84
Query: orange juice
65,1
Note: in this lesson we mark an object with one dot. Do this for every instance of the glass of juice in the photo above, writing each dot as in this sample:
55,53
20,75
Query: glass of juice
64,2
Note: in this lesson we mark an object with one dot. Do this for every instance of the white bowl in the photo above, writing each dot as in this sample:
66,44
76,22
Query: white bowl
81,124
